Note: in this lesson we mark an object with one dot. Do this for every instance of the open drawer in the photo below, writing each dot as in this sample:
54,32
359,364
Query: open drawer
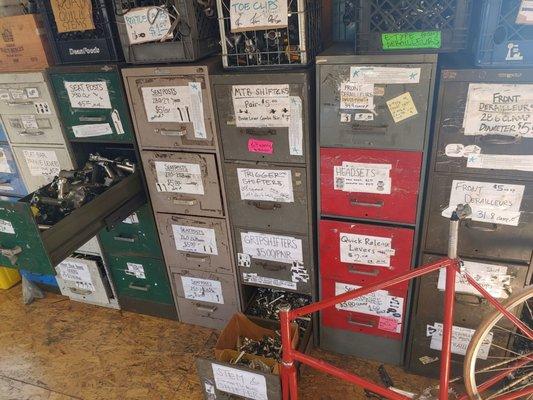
26,245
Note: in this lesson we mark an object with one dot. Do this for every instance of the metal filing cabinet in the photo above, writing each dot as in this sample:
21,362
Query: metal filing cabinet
182,164
374,116
482,156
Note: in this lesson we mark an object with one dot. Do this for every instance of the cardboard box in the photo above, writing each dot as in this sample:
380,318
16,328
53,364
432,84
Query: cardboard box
23,44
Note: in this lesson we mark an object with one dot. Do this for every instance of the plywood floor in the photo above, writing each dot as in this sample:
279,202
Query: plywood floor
56,349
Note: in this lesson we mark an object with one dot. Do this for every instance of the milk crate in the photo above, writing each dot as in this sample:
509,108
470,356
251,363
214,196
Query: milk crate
506,34
343,20
165,31
417,26
279,39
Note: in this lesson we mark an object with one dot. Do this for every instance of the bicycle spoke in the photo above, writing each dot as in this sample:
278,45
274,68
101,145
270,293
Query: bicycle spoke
511,332
512,386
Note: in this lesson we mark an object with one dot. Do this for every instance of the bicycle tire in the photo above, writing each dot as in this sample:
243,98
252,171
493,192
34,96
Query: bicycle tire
477,340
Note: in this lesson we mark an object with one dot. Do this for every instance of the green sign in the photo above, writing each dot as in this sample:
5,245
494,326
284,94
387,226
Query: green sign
411,40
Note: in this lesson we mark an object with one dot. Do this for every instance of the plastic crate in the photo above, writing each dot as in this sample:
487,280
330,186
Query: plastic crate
501,41
89,46
343,24
194,31
297,44
9,277
419,26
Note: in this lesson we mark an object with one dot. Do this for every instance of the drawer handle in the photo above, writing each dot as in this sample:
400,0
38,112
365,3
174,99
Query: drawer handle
462,298
143,288
273,268
473,226
87,118
206,308
197,257
266,207
490,139
355,202
353,270
31,133
185,202
359,323
81,292
256,132
20,103
11,254
4,181
171,132
370,129
120,238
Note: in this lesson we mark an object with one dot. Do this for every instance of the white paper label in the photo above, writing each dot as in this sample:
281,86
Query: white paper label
501,162
493,278
167,103
296,128
263,280
266,184
136,270
88,94
77,272
386,75
32,92
29,122
363,116
345,117
246,15
262,246
261,105
117,122
18,94
241,383
4,165
496,203
202,290
132,219
193,239
455,150
4,95
366,250
244,260
42,108
147,24
525,13
83,131
357,96
378,303
6,227
362,177
502,109
460,340
197,110
42,162
179,177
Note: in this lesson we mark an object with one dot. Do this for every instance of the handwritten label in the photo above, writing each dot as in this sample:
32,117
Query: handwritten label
42,108
501,162
499,109
73,15
461,338
29,122
136,270
454,150
388,324
202,290
277,248
197,110
356,96
402,107
32,92
266,281
90,130
496,203
296,129
18,94
362,177
411,40
42,162
366,250
132,219
525,13
266,184
345,117
261,105
363,116
178,177
88,94
6,227
4,164
147,24
385,75
241,383
193,239
167,103
246,15
260,146
73,270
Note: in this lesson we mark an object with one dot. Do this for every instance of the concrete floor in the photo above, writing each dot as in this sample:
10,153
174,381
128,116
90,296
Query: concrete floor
57,349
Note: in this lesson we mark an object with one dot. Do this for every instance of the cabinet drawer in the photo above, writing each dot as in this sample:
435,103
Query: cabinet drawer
268,196
381,185
140,277
33,129
91,247
183,183
286,144
195,243
136,235
271,259
92,103
503,233
363,254
205,298
379,313
152,92
10,181
24,93
350,127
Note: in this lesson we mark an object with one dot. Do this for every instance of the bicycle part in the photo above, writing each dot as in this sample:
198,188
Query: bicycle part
516,365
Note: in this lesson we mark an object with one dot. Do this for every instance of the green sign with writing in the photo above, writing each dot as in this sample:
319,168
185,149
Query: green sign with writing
411,40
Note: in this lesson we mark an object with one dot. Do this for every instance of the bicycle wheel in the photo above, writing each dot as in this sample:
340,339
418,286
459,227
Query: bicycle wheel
518,352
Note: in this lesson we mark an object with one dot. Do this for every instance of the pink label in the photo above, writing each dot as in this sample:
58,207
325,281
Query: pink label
260,146
388,324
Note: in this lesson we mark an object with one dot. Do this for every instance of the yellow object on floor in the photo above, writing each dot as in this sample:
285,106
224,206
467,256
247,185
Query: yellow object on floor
9,277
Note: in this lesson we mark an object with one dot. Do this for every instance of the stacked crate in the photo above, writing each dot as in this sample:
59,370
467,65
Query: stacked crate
374,116
174,122
481,157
